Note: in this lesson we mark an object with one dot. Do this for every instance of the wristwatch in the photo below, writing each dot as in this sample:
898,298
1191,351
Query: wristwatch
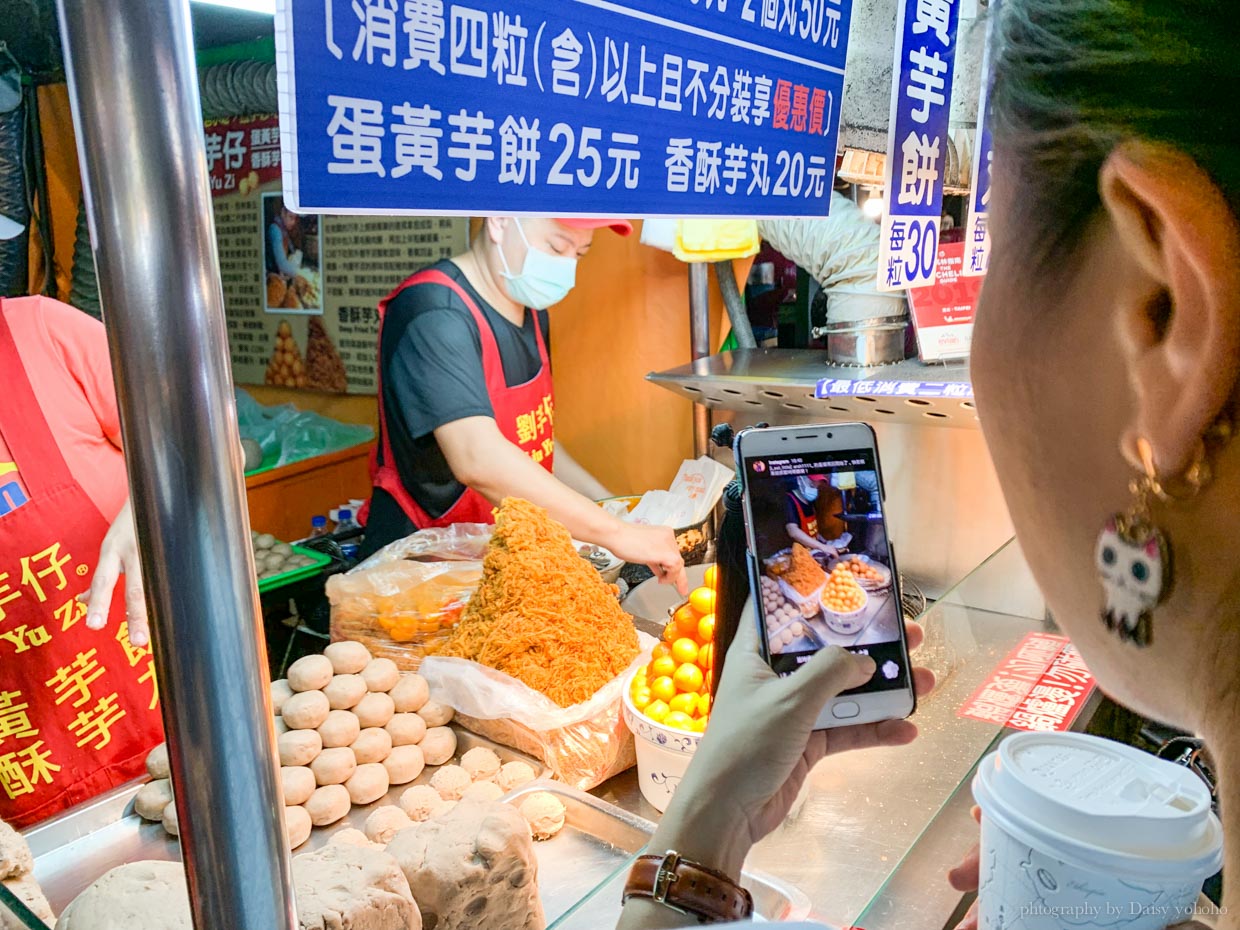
688,888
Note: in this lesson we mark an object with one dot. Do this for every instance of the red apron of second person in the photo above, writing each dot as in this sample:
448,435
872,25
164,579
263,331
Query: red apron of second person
79,709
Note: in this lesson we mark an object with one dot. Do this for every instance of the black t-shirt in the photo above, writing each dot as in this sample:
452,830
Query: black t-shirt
430,359
796,510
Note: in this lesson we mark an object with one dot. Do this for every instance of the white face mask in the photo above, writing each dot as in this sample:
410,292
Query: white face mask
543,280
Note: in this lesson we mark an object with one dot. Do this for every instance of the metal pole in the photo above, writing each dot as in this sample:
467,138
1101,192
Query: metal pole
699,339
134,91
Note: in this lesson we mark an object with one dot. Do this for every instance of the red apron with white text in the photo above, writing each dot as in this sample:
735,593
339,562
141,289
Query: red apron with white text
524,413
79,708
807,516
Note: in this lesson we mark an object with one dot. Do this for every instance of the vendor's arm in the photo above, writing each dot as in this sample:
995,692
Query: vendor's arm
730,799
83,345
798,535
574,474
275,245
119,556
482,458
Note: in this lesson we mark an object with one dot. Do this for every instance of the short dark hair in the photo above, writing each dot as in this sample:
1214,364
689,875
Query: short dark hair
1075,78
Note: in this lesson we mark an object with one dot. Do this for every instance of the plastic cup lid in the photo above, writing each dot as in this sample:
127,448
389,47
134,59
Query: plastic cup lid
1101,804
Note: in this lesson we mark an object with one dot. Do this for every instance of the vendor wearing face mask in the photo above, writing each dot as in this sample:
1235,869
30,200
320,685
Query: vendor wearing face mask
801,517
466,402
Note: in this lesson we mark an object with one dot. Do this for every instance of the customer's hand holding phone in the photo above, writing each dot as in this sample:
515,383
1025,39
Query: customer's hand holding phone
761,745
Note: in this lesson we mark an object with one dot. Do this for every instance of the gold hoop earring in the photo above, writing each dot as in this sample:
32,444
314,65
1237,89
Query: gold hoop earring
1134,555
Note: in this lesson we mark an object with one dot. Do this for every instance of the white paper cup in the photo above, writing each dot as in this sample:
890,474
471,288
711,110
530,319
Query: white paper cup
1079,831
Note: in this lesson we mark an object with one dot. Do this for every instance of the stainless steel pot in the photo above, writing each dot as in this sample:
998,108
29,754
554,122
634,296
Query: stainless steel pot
865,342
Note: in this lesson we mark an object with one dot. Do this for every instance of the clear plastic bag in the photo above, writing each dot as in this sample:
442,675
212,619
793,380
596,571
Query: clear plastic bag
401,609
583,745
458,542
288,435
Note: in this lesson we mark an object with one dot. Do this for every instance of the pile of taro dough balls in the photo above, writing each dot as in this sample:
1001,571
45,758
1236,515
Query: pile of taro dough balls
272,557
349,728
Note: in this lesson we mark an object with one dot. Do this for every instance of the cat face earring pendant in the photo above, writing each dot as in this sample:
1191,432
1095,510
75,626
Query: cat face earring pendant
1134,565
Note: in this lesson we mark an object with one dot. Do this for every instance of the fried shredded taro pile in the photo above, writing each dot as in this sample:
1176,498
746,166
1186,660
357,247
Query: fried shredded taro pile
804,574
542,613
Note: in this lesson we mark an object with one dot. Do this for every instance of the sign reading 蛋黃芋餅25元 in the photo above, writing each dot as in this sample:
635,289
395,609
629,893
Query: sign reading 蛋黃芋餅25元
561,107
917,141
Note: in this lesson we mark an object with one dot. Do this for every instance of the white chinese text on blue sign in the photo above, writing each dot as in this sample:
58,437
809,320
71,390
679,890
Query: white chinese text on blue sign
562,107
977,232
917,141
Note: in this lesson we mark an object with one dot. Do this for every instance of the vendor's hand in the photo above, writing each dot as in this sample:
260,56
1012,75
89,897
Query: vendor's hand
654,547
761,746
119,555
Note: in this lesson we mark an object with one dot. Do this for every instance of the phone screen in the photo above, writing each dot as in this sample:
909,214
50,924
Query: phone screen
824,572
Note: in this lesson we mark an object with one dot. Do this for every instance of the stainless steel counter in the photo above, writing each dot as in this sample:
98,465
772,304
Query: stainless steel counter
868,842
861,814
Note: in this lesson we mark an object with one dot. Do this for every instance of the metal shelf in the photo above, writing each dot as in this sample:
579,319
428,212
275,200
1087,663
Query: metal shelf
800,382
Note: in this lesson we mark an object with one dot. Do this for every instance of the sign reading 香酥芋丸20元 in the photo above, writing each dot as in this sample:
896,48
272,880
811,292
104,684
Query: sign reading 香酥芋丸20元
561,107
917,141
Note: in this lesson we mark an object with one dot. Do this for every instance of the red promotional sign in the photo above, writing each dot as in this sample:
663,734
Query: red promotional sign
1042,685
943,312
243,153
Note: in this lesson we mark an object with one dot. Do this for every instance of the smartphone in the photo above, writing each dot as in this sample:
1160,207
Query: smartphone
822,566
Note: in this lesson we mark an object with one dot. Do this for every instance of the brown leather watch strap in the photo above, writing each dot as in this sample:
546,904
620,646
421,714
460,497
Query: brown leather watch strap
688,888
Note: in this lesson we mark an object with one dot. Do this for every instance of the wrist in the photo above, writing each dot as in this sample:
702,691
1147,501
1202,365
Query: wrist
704,835
611,532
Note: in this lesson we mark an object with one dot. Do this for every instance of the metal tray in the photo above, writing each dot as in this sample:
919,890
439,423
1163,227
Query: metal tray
581,870
73,850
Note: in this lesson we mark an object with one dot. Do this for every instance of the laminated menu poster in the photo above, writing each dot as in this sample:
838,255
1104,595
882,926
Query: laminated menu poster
301,291
943,312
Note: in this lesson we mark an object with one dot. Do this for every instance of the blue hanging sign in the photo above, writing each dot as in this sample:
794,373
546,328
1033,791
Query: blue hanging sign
917,142
977,232
561,107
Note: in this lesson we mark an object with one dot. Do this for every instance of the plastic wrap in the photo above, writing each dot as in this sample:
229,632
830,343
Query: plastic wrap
583,745
458,542
401,609
288,435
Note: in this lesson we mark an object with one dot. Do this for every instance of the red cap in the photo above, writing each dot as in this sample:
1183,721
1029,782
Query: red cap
619,226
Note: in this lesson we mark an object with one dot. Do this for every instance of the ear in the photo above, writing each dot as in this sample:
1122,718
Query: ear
493,228
1178,297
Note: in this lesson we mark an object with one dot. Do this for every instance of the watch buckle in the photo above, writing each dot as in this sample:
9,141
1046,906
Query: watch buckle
666,876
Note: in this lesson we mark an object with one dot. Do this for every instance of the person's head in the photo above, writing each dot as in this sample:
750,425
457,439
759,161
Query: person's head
807,488
535,258
1111,314
288,219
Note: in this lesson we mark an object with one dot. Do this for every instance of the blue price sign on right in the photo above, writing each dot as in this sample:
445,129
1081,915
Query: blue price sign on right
917,142
977,233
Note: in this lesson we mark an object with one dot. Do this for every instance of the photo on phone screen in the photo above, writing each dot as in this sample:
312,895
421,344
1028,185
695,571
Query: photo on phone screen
823,561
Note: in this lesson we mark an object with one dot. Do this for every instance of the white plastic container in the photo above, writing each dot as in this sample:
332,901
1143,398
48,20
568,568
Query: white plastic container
1079,831
663,753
